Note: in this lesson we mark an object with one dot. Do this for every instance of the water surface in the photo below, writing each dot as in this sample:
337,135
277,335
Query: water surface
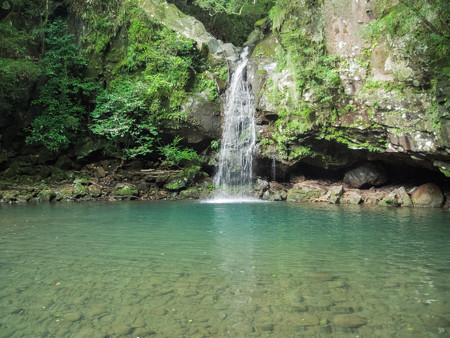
174,269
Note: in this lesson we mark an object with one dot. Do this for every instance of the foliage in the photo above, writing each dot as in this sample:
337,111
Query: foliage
121,115
424,26
176,156
103,20
62,93
317,94
15,77
18,71
227,6
150,83
231,25
205,83
214,145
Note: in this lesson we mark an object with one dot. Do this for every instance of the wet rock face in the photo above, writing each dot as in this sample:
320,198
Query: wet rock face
393,111
427,196
369,174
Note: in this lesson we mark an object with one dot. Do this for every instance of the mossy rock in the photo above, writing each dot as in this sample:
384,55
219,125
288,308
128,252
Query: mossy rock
82,181
95,191
9,196
64,194
177,184
125,190
266,48
191,193
390,200
301,195
79,190
45,195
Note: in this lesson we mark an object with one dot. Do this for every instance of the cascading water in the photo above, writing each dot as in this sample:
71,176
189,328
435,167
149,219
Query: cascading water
235,170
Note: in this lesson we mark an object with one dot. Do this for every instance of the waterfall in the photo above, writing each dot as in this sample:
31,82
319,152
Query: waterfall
235,170
274,169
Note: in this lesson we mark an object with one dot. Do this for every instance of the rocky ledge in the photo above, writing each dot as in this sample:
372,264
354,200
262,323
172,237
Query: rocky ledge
103,181
428,195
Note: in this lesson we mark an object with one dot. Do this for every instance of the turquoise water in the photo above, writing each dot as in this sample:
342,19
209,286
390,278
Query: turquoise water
191,269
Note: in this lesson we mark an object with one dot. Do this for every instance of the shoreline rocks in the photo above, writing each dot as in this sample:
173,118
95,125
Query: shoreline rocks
154,184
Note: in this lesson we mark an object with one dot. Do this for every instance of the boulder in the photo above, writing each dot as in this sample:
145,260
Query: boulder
353,197
125,190
428,195
95,190
261,184
403,198
369,174
301,193
335,193
79,190
390,200
191,193
274,195
176,183
45,195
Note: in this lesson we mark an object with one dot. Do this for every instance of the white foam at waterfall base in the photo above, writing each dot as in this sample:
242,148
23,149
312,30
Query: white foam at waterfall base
235,169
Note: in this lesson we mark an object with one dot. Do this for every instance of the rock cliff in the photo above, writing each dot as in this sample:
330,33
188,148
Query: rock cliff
378,100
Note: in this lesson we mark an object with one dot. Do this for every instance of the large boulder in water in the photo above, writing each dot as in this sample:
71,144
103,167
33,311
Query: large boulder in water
369,174
427,196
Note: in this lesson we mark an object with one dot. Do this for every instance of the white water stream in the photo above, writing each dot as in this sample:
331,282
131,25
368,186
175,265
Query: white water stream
235,170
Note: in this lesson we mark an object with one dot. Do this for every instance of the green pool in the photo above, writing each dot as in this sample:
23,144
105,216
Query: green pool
192,269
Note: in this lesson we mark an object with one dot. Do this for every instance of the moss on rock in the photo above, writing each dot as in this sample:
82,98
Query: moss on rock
126,190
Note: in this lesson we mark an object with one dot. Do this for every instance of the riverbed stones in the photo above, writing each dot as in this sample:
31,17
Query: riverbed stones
307,319
98,310
428,195
351,320
72,316
436,321
322,276
369,174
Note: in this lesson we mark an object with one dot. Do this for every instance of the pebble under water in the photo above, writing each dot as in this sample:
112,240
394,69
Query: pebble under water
192,269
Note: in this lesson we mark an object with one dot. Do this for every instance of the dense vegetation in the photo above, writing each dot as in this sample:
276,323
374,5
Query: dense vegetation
128,104
109,72
230,21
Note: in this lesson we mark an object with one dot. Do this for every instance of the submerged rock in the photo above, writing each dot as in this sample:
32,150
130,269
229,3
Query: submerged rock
307,319
427,196
72,316
349,320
